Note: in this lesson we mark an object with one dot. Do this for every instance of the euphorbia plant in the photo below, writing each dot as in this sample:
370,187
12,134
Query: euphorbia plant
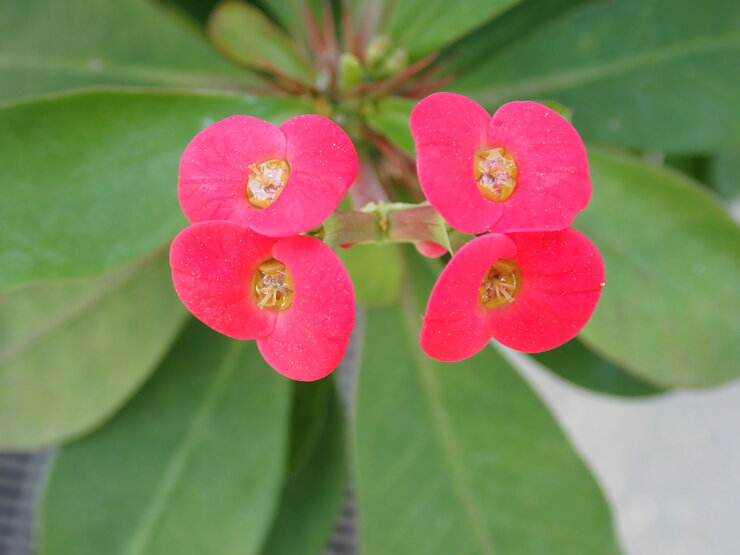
308,145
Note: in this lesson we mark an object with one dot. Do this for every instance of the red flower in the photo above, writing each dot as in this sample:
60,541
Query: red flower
524,169
530,291
292,295
278,181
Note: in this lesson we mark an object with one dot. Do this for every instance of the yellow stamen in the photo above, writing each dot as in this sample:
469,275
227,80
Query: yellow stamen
266,182
272,285
495,174
500,284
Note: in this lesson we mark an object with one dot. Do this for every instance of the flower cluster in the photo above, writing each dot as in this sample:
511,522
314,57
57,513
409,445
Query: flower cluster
249,189
518,178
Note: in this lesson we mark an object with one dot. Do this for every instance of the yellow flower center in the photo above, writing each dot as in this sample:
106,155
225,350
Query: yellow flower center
495,174
272,285
266,181
501,284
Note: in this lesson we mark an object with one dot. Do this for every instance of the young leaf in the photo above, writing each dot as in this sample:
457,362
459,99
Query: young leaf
89,180
49,46
246,35
669,312
390,117
659,74
72,351
463,458
192,465
425,26
314,489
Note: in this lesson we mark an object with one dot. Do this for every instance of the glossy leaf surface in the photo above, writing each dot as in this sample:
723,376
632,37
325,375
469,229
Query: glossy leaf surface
72,351
89,180
463,458
669,311
655,74
48,46
192,465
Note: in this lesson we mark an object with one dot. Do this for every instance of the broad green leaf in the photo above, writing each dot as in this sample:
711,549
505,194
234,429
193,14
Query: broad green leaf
514,25
376,272
314,490
72,351
463,458
390,116
89,180
724,172
48,46
245,34
581,366
669,312
425,26
192,465
657,74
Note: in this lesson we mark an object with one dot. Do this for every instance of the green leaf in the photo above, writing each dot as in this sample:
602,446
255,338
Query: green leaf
463,458
72,351
314,490
581,366
245,34
376,272
49,46
669,312
192,465
89,181
657,74
425,26
390,116
724,172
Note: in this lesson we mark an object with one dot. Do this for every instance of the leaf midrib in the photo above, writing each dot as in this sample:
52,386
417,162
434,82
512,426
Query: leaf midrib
445,434
77,310
603,69
153,74
173,471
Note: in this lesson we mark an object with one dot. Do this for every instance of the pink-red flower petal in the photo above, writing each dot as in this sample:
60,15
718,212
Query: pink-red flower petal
448,130
213,265
215,166
430,249
553,183
455,324
562,279
214,171
311,337
562,275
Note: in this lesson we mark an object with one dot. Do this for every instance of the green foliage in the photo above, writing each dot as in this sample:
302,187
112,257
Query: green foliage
581,366
463,458
313,493
72,351
390,116
724,170
376,272
89,180
192,465
48,46
424,26
672,256
658,74
246,35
